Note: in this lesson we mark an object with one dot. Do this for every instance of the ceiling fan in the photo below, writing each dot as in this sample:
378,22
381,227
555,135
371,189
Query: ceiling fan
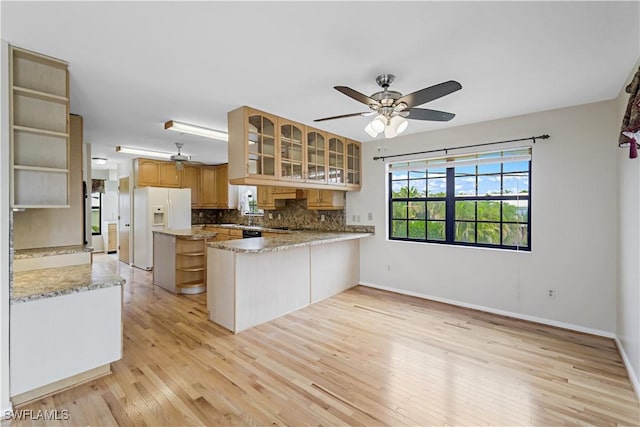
392,109
179,158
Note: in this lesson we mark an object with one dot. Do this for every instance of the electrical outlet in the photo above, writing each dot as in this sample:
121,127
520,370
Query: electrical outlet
388,267
279,216
321,217
353,218
370,216
357,218
270,216
551,293
200,214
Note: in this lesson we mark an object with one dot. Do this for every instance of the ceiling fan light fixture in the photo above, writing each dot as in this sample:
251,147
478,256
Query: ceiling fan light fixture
390,132
399,124
369,129
378,124
196,130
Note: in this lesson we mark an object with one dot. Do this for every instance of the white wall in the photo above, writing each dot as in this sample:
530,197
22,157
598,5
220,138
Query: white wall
628,302
573,225
4,228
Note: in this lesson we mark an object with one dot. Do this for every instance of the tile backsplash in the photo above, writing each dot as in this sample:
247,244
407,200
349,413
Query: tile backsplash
294,215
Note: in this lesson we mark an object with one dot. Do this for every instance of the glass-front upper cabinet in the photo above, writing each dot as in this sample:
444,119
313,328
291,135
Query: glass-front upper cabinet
261,143
291,151
316,144
354,161
336,160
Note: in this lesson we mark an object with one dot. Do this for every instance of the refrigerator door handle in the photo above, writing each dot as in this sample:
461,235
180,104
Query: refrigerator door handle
170,216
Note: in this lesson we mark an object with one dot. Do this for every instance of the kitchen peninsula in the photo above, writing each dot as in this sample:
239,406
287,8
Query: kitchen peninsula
252,281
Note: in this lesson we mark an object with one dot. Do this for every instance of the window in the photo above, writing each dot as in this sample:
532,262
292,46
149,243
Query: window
96,213
472,200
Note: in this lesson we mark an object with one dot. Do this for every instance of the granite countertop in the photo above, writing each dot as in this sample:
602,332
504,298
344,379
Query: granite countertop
42,252
188,234
285,241
52,282
248,227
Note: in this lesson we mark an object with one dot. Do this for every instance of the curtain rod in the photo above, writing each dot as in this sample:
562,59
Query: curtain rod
533,138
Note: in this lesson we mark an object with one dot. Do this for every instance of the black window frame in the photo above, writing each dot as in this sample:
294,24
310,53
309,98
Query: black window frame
450,199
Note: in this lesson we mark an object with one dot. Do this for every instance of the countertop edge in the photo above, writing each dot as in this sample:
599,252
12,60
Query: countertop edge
188,234
61,292
313,241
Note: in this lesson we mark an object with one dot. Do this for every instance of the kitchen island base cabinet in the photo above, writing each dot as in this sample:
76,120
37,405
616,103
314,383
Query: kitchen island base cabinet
179,262
335,267
80,334
247,289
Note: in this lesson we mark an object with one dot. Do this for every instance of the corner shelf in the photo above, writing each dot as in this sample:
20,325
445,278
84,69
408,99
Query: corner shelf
190,267
196,253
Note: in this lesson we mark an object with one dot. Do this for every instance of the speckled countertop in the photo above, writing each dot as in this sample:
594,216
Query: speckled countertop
247,227
52,282
285,241
42,252
188,234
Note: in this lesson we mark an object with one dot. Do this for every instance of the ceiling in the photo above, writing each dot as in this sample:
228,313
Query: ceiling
134,66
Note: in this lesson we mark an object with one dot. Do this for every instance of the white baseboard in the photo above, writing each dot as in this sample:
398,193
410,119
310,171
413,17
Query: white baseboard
535,319
633,377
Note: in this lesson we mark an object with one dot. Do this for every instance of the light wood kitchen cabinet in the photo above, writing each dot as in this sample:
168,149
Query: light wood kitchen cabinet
252,144
111,241
269,150
354,164
265,199
156,173
225,233
148,172
270,198
325,199
191,179
223,190
208,197
216,192
336,160
292,153
316,150
39,129
168,175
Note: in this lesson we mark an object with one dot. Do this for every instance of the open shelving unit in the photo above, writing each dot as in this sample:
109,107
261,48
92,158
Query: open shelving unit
39,121
190,266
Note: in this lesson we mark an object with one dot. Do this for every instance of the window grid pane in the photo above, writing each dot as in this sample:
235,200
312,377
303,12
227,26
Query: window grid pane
488,205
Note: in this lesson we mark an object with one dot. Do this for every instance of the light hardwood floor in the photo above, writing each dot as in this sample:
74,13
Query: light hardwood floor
363,357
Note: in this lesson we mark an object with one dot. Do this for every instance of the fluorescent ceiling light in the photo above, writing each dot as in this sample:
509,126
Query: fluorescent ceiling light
143,152
99,160
196,130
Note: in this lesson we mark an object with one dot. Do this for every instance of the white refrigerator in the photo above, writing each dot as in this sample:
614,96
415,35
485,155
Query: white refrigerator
157,209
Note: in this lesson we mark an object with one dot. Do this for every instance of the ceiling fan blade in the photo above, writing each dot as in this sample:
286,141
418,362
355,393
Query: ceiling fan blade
360,97
429,93
342,116
432,115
